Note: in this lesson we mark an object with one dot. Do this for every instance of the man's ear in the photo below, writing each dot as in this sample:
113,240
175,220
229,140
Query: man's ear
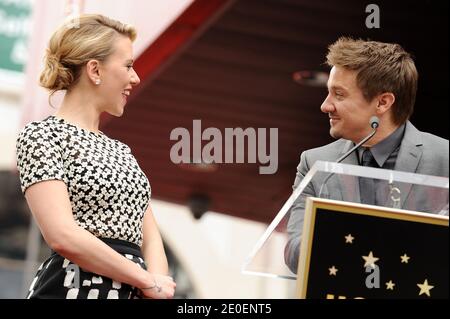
93,70
385,102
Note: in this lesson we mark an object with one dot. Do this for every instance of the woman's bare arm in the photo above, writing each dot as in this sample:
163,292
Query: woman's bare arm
152,248
51,208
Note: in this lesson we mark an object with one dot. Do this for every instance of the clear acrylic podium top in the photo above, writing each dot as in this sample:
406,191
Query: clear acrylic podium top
387,188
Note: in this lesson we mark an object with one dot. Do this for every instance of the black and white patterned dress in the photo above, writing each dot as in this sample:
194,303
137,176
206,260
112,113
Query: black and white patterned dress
109,195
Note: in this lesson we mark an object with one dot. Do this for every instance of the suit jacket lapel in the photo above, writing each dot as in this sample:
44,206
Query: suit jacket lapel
408,157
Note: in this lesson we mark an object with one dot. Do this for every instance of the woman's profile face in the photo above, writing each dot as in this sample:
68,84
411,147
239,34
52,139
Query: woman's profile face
117,77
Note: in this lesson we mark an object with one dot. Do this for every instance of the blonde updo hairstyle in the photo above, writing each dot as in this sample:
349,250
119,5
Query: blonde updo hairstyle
87,37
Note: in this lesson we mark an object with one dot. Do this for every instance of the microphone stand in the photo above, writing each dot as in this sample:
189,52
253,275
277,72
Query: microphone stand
368,137
374,125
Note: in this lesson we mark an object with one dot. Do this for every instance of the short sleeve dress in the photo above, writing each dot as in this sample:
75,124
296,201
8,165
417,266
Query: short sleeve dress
108,192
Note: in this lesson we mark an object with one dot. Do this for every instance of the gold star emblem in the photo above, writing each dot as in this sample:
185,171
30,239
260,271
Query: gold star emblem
370,260
425,288
390,285
349,239
333,270
405,258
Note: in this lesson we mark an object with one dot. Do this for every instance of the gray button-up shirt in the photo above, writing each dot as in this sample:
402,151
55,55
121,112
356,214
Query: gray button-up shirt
386,151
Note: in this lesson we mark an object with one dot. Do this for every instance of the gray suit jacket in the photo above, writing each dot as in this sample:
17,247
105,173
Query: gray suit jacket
420,153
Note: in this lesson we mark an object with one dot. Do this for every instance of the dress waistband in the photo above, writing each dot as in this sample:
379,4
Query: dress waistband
121,246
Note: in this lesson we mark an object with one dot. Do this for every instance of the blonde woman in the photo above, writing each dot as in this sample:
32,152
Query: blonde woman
85,190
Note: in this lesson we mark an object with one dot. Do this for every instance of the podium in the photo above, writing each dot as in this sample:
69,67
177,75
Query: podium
336,247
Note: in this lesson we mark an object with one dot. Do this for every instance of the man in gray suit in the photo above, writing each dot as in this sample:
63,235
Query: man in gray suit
369,78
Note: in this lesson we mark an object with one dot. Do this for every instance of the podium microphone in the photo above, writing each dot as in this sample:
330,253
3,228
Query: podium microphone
374,123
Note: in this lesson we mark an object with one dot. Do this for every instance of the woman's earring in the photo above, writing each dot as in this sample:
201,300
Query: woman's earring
97,82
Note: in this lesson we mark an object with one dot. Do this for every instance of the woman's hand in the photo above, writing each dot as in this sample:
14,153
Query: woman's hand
161,287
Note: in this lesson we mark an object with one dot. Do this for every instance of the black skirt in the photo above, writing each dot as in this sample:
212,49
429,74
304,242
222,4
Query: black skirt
59,278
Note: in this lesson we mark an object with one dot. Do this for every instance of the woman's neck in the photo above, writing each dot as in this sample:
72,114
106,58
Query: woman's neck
79,111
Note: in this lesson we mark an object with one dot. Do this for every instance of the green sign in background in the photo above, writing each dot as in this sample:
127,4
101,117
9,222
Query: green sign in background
15,21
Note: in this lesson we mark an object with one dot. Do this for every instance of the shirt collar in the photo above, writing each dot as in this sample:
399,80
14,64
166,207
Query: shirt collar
383,149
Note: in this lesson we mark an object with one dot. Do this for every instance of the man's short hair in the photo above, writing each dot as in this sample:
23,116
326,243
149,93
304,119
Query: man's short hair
381,67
